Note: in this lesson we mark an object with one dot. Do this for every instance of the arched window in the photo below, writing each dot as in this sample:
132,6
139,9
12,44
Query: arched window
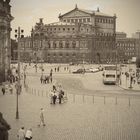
67,44
61,54
54,45
73,54
74,44
49,45
60,44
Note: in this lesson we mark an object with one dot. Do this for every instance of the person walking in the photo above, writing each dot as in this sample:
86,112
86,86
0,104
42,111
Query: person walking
60,96
3,90
4,127
42,122
54,88
51,75
28,135
51,96
21,134
41,79
55,69
54,97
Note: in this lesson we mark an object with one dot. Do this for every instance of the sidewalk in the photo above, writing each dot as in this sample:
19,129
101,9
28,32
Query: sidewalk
125,84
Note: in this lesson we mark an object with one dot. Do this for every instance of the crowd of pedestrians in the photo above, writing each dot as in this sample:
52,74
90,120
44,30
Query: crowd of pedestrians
56,94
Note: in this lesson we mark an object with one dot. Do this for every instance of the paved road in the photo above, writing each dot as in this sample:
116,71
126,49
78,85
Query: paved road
88,84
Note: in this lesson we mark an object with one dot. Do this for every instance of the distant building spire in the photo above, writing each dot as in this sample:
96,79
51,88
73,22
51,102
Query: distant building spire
76,7
98,10
41,20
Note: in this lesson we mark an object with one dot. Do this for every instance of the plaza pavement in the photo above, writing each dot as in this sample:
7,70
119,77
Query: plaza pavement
77,119
73,120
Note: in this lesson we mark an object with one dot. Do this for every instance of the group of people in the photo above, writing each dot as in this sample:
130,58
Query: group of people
24,135
56,93
44,79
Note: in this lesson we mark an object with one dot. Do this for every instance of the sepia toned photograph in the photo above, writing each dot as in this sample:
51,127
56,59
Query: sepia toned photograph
70,70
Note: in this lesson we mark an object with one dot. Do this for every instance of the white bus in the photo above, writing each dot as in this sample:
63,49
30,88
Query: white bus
110,74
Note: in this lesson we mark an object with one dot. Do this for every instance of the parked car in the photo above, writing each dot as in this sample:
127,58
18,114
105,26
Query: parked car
100,68
92,70
79,71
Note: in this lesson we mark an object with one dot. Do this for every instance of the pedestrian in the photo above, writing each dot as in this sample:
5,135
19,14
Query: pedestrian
42,122
51,75
28,135
3,90
4,127
54,97
60,96
51,70
54,88
51,96
21,133
41,79
55,69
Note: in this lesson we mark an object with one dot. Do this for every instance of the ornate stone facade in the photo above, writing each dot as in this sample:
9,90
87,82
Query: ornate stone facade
5,29
80,35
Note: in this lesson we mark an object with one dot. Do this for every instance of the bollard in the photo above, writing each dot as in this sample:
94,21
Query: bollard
42,93
35,91
116,100
93,99
104,99
129,102
83,98
74,98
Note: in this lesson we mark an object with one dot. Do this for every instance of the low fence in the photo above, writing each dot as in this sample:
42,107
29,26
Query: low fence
83,98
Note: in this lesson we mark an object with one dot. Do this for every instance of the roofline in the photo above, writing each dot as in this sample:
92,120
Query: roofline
73,10
109,16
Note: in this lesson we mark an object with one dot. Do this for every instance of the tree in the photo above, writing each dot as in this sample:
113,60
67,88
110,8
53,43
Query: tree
138,62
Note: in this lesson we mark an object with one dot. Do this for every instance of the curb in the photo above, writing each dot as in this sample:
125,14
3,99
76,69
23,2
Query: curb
137,90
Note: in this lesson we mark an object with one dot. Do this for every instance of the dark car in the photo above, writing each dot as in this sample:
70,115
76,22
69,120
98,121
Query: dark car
79,71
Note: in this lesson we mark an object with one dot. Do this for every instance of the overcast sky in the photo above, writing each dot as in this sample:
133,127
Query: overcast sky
27,12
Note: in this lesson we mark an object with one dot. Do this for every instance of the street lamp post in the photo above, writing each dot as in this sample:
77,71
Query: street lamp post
18,35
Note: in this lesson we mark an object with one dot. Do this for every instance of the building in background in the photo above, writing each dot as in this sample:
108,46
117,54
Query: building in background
5,45
79,36
120,35
136,35
14,51
127,48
